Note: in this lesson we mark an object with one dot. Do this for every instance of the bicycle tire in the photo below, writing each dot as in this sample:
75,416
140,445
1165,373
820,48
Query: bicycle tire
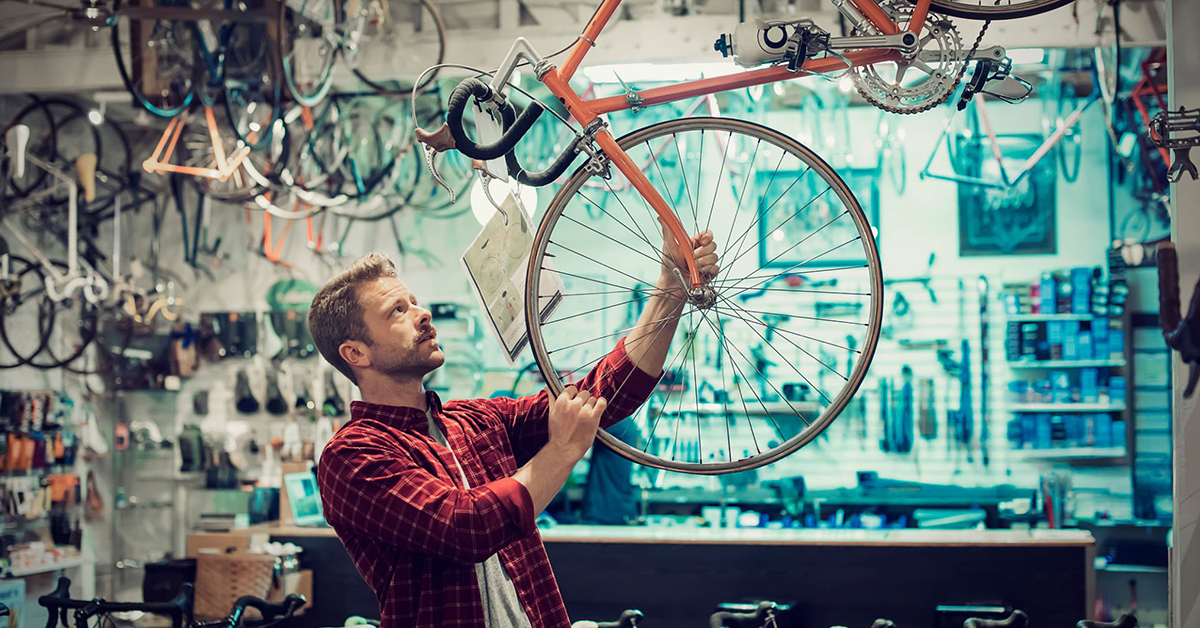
251,84
440,29
313,96
46,309
866,271
166,105
995,11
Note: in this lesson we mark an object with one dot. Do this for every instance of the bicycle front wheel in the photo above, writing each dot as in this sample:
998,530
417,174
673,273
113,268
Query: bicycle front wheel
769,360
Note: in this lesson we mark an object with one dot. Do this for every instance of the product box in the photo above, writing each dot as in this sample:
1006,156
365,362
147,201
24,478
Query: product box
1054,336
1089,385
1100,333
1118,434
1012,342
1043,431
1083,346
1060,386
1116,389
1048,294
1081,290
1116,342
1070,340
1104,431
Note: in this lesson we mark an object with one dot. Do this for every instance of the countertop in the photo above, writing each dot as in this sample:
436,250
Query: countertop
762,536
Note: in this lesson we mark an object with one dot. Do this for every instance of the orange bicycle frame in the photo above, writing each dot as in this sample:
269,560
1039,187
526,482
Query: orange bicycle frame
585,111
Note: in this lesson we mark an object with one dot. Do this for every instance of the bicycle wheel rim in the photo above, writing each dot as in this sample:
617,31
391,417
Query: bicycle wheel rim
440,30
172,101
43,135
870,327
304,20
46,309
992,10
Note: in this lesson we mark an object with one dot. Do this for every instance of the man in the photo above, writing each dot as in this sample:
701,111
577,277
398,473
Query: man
436,502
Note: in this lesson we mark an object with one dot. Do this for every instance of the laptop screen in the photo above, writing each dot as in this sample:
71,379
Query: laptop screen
304,498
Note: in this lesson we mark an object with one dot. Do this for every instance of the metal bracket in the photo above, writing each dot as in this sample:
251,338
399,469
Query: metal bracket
632,97
598,163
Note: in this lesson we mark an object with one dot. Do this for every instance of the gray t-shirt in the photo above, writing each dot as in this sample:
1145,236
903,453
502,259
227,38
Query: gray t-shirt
501,607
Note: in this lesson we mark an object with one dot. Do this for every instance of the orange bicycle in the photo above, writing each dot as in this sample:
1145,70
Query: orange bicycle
772,348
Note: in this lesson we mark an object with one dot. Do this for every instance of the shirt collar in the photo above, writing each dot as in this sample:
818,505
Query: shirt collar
402,417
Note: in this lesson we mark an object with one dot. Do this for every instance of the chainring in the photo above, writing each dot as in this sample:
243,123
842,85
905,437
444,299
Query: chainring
889,85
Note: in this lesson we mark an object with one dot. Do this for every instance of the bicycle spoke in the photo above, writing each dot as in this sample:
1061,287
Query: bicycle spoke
593,311
696,390
594,280
610,239
724,344
683,171
596,261
809,318
779,274
767,234
766,410
763,214
639,235
720,173
745,187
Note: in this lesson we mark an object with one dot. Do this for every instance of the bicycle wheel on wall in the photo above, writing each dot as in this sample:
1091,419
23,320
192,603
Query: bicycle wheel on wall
389,42
773,359
308,47
155,59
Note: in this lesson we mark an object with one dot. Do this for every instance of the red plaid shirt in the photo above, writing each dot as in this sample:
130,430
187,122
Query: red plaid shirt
397,501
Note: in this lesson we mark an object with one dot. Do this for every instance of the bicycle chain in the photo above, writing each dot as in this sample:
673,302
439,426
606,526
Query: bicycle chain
946,96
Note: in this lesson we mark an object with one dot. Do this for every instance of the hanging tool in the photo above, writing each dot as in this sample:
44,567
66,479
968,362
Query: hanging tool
904,415
983,369
962,420
885,410
926,412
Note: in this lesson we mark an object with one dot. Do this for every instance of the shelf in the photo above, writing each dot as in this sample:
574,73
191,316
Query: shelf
1066,407
1131,569
1051,317
1072,453
1065,364
66,564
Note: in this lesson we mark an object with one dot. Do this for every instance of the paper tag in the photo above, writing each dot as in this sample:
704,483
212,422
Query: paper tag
489,129
496,264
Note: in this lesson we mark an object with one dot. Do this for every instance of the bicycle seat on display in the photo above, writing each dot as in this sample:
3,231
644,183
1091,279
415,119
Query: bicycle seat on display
761,616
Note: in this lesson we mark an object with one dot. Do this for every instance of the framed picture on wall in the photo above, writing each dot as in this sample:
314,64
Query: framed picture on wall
801,221
1017,216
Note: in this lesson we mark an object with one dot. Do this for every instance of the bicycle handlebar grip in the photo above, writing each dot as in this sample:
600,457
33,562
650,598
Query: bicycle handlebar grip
545,177
269,610
1169,313
514,127
1126,621
1018,619
629,619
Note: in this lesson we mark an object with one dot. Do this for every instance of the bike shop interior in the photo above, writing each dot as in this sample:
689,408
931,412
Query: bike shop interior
946,347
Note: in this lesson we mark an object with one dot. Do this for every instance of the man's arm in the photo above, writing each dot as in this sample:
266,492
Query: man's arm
650,340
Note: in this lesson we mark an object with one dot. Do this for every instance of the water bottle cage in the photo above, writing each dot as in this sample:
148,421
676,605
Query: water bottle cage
805,43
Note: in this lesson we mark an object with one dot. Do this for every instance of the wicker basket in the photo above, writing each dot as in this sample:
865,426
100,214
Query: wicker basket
222,578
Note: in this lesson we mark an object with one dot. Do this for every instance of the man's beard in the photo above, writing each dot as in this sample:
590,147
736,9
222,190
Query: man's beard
412,365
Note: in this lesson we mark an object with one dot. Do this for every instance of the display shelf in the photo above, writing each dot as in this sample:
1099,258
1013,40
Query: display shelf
1066,407
66,564
1051,317
1072,453
1131,569
1065,364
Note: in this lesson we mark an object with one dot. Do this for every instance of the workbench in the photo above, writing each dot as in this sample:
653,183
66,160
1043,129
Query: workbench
678,575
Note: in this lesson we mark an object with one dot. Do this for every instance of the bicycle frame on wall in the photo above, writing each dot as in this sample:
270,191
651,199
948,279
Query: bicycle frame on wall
588,111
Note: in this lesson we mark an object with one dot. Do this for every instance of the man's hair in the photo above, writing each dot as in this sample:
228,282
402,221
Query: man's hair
336,314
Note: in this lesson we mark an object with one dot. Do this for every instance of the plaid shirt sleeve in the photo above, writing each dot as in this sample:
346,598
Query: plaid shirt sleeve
379,492
625,386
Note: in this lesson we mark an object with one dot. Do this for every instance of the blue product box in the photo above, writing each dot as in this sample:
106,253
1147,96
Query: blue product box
1104,431
1116,342
1089,430
1043,432
1083,346
1116,389
1100,338
1081,293
1118,434
1089,385
1070,330
1060,387
1054,335
1028,430
1048,294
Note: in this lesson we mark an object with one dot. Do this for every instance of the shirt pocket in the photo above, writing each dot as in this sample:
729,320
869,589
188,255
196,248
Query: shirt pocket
494,452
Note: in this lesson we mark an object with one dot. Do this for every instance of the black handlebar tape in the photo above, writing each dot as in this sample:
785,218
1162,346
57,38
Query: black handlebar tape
753,619
1018,619
545,177
269,610
1168,288
629,619
883,623
1126,621
514,127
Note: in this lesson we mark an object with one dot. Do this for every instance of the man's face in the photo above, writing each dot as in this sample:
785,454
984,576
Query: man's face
405,340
